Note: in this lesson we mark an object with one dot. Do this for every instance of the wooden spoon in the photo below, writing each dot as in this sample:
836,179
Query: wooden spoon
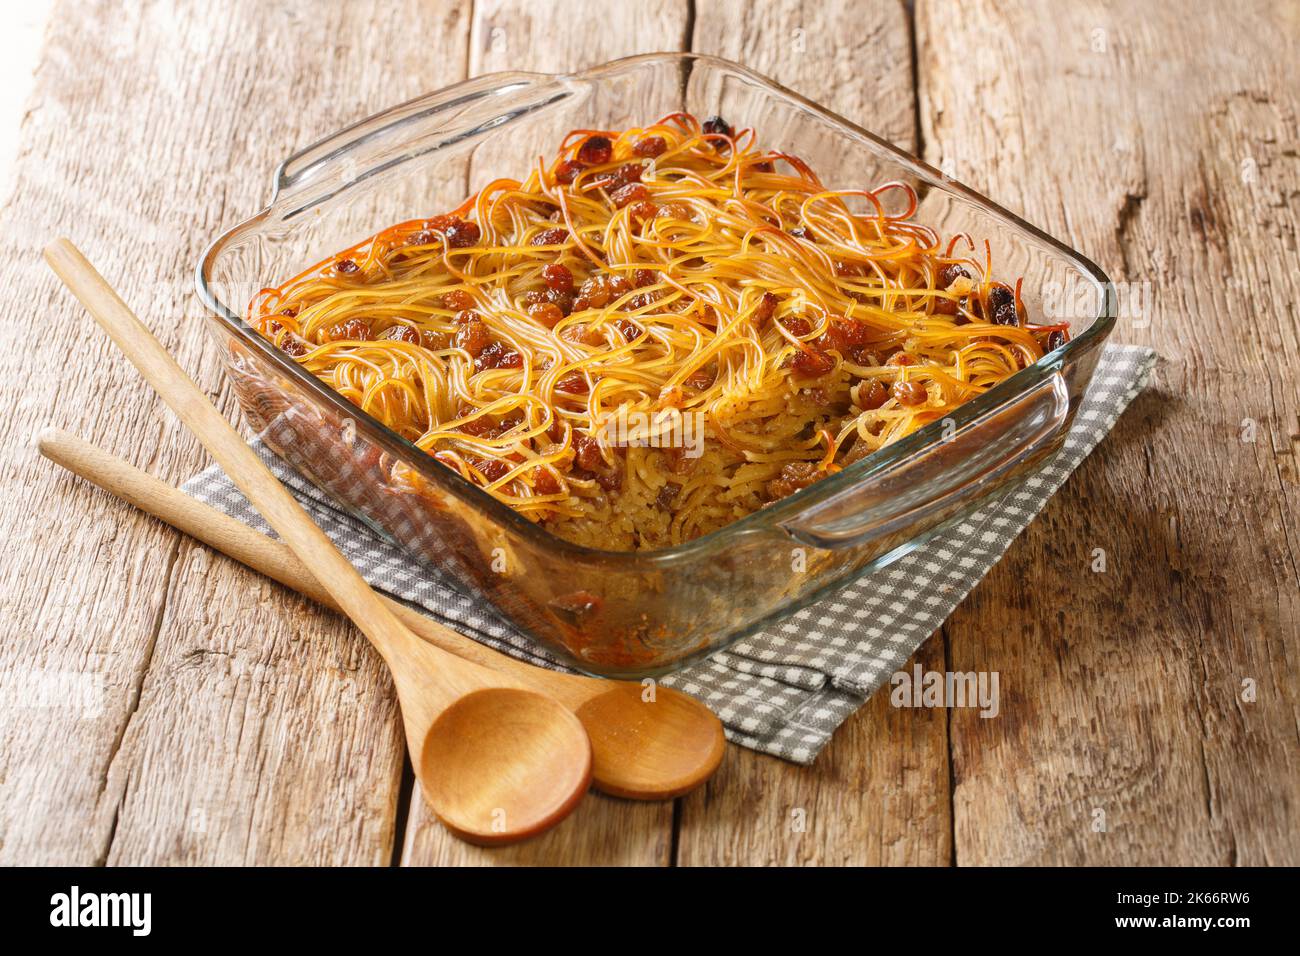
645,749
496,761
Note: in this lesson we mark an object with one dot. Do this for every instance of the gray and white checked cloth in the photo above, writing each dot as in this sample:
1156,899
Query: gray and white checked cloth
782,691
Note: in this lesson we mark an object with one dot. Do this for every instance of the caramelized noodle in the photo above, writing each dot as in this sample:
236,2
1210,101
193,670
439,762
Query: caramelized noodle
657,271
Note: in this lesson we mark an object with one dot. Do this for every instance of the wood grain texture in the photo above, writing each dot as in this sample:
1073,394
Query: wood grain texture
557,37
851,57
239,724
1161,141
603,831
166,706
876,796
879,793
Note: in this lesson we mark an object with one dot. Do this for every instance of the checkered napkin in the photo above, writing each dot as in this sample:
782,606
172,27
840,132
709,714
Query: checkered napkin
784,690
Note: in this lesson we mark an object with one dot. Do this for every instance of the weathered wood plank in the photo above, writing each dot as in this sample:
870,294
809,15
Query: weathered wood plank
602,831
1161,141
199,735
879,794
853,58
549,38
573,35
238,724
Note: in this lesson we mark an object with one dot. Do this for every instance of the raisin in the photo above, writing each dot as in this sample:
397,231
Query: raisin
595,150
631,331
587,453
1056,339
667,495
567,171
593,293
475,426
401,333
432,340
289,312
674,210
292,345
546,313
644,277
622,176
493,469
632,192
599,290
812,362
546,483
650,146
558,277
717,125
856,452
766,309
508,423
462,234
550,237
457,300
998,296
498,355
909,393
843,334
950,274
641,211
353,330
457,231
575,383
872,396
561,300
472,336
794,476
901,358
1006,314
346,267
796,326
702,378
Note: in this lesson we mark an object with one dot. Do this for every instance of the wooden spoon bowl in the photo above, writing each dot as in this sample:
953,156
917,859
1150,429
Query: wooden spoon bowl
663,745
533,784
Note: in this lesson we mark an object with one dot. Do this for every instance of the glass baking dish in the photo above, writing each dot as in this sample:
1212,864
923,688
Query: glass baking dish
632,614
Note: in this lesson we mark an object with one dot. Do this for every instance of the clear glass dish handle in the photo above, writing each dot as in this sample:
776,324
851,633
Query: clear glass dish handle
420,126
943,477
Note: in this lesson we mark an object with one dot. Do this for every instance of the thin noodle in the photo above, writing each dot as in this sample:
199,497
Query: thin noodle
710,279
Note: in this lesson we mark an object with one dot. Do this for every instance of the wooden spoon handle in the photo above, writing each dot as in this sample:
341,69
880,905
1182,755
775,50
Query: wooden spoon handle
237,540
281,510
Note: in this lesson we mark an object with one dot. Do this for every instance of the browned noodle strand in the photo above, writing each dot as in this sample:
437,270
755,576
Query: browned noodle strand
669,268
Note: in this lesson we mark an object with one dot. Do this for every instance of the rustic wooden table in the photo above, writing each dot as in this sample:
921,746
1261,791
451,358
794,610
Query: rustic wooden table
1149,711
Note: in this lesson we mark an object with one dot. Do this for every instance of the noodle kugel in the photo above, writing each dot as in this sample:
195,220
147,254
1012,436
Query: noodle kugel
668,275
